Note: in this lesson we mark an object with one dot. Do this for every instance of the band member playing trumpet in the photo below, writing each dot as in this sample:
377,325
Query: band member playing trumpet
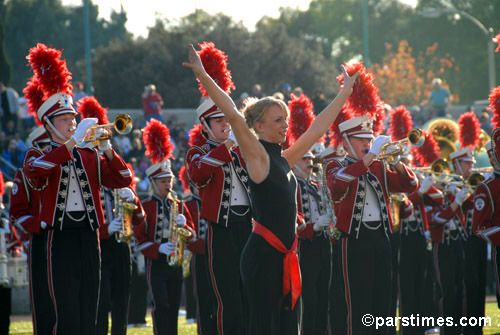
163,235
71,207
360,186
486,217
24,214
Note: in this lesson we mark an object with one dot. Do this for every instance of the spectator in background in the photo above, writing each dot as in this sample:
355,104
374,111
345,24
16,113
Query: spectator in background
137,147
319,101
287,90
439,98
152,103
279,96
27,120
122,145
298,91
257,91
79,92
9,104
485,121
240,102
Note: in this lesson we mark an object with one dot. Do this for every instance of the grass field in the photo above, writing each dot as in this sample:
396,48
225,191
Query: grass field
24,328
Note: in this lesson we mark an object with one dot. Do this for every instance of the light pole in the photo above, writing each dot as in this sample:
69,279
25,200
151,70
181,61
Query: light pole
450,9
366,55
87,45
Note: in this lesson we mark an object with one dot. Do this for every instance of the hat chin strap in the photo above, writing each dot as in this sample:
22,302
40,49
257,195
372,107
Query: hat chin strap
64,138
459,167
346,138
202,119
300,171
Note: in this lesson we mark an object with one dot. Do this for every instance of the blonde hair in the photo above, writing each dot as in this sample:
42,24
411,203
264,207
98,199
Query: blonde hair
255,109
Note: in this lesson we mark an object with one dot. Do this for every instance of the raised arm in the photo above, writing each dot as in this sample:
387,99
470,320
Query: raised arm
253,152
322,122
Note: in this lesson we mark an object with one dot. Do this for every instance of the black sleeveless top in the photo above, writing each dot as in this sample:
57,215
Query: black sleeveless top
274,200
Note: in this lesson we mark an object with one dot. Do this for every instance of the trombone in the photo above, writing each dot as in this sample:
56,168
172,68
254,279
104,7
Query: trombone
471,182
440,170
122,124
482,170
415,137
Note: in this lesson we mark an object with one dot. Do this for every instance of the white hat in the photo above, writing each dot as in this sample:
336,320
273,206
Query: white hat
466,154
360,126
208,109
57,104
160,170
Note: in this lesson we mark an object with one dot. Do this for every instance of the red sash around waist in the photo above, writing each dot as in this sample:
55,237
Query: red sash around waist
291,271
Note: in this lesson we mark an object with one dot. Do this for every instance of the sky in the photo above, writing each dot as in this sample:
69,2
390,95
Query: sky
141,14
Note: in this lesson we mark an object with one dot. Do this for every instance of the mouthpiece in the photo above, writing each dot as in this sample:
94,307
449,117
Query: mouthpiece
227,130
366,151
72,128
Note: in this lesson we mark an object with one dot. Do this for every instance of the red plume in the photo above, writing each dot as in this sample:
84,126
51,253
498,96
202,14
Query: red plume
364,97
34,98
378,116
495,107
470,129
215,63
90,107
301,116
496,39
400,123
2,186
50,70
133,184
156,137
196,137
335,136
184,178
428,152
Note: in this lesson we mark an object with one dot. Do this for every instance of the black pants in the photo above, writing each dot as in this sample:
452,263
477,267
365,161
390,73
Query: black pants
415,297
315,260
115,287
5,309
73,275
223,248
42,310
262,271
395,245
476,254
366,267
204,296
449,260
165,284
337,306
189,291
138,295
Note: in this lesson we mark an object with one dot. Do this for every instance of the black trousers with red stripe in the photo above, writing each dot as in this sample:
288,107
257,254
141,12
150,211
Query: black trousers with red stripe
42,310
449,263
495,259
315,259
204,296
224,247
165,285
366,268
415,294
73,267
115,287
268,312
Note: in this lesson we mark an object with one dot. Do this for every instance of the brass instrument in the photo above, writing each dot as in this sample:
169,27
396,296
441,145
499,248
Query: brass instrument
471,182
124,211
395,201
178,236
440,170
327,208
482,170
415,138
123,125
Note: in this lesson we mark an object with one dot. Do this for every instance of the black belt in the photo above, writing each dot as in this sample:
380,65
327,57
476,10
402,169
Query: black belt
372,225
240,213
75,219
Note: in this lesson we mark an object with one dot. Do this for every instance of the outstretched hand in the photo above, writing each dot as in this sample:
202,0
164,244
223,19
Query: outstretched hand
194,63
349,81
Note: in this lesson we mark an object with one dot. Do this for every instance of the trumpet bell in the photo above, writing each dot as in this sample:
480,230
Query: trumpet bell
416,137
123,124
474,179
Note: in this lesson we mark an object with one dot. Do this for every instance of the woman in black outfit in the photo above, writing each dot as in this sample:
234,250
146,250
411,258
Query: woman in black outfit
269,264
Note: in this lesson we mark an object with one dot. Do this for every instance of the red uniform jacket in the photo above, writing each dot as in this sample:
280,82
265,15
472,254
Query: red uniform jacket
209,169
433,197
346,180
193,205
149,233
92,170
486,217
24,211
441,216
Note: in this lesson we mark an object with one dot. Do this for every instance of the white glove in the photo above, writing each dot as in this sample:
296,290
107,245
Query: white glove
378,143
166,248
395,160
82,128
127,194
114,226
43,225
391,148
426,184
98,132
104,145
233,138
461,196
180,220
323,221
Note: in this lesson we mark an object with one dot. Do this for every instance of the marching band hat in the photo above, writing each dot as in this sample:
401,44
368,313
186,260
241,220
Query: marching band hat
160,170
39,135
208,109
360,126
464,154
57,104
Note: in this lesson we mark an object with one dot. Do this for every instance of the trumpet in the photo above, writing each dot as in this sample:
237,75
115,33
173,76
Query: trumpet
415,138
123,125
